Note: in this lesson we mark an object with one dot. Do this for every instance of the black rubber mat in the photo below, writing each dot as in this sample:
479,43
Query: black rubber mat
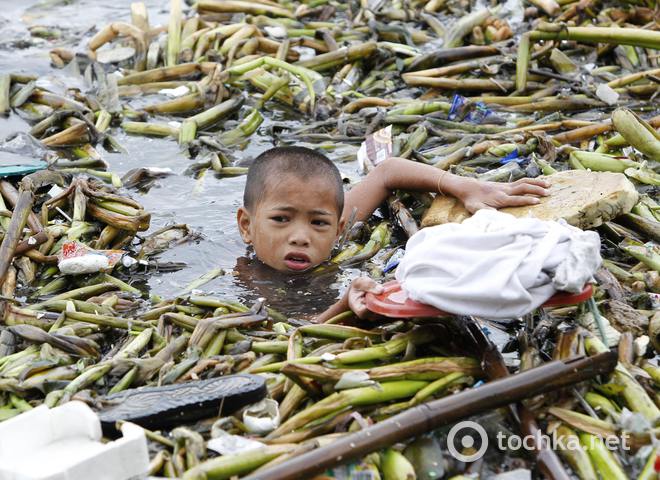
173,405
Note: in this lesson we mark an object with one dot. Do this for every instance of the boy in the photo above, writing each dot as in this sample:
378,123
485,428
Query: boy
294,207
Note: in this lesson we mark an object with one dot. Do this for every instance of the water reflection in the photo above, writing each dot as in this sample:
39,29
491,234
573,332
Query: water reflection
301,295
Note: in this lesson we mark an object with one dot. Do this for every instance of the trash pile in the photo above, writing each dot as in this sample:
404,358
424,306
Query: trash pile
494,92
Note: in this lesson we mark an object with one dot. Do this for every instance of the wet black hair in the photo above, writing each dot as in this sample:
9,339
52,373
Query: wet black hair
274,163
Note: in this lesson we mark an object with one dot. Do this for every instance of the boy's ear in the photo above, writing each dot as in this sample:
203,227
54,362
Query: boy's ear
340,226
243,220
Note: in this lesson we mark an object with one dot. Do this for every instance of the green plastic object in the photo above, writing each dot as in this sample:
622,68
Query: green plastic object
12,165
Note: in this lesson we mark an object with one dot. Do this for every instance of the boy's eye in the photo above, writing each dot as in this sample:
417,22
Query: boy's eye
279,218
320,223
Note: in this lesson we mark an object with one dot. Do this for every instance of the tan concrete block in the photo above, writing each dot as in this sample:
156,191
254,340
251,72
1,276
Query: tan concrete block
584,199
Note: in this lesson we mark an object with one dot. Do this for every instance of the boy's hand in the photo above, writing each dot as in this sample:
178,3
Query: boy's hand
476,195
356,293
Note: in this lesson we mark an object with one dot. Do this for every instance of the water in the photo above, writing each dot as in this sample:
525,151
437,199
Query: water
207,205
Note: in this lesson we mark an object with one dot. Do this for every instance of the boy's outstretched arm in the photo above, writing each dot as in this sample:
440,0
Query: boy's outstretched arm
399,173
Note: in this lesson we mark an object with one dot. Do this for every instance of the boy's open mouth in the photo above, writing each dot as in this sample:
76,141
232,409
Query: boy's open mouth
297,261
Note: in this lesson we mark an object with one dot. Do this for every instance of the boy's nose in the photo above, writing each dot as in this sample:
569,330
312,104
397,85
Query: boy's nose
299,238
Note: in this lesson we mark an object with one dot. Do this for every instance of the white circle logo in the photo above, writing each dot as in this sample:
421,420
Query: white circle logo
467,441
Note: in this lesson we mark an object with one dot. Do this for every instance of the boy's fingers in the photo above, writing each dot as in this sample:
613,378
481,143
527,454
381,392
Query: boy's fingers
356,299
527,189
361,310
533,181
376,289
364,283
521,200
373,287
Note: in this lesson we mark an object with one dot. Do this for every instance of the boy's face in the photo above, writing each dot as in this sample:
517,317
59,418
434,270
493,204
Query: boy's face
294,226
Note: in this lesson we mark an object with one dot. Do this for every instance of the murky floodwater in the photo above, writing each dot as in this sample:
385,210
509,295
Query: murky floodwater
208,204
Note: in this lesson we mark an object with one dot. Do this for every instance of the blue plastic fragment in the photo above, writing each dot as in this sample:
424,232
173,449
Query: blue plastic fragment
16,170
511,157
394,260
456,103
12,164
478,110
391,266
478,114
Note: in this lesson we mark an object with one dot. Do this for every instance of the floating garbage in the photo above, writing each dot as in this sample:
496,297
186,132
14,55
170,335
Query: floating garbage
262,417
76,258
65,443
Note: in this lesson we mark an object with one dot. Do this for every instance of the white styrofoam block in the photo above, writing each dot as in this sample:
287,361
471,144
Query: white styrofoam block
63,443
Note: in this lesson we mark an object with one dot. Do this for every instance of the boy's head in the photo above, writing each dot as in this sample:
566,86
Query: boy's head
292,208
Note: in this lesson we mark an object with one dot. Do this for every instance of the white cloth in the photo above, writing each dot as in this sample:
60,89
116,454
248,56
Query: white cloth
494,265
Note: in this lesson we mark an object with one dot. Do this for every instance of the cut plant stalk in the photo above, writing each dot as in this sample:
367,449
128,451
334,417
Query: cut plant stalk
140,16
464,84
109,32
637,132
602,458
308,76
230,466
600,162
460,28
584,422
5,84
395,466
157,129
647,254
108,321
246,128
635,396
240,6
337,332
351,398
426,369
182,104
174,33
603,404
161,74
386,350
574,453
216,113
338,57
